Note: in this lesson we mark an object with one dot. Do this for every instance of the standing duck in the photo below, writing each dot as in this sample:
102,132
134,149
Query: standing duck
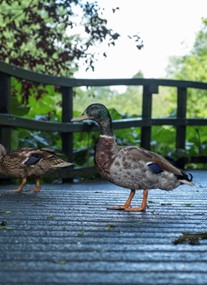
130,166
29,162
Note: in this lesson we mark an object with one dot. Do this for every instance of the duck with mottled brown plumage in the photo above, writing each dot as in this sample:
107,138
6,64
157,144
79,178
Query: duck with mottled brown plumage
130,166
29,162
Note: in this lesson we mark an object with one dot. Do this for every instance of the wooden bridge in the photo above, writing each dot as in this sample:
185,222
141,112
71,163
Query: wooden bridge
66,129
65,235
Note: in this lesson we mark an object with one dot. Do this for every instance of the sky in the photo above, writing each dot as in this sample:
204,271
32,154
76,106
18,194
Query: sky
167,28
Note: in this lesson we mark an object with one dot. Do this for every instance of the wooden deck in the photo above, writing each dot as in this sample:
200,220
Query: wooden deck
65,235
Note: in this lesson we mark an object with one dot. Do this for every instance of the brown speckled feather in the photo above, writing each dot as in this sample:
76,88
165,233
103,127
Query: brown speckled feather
14,163
148,156
127,166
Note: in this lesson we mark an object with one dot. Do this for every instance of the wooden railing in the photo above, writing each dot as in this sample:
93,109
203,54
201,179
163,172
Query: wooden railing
66,128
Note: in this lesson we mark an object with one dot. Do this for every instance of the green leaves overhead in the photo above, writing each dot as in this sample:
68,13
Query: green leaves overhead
51,36
192,66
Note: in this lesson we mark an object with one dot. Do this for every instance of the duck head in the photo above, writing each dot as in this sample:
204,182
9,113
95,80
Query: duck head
96,112
99,113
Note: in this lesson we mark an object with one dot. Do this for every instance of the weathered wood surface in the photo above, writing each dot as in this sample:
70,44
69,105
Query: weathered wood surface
65,235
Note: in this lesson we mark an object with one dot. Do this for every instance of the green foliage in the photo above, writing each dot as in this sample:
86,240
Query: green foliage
43,35
45,107
197,103
193,66
53,37
163,140
196,141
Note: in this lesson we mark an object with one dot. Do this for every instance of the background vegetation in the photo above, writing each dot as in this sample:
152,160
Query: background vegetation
42,36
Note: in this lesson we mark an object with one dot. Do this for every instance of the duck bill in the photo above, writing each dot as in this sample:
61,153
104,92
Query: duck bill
80,118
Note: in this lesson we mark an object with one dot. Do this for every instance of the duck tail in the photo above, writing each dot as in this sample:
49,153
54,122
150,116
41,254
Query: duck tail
186,178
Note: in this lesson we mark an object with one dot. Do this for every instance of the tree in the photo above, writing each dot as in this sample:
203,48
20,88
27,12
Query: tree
193,66
51,36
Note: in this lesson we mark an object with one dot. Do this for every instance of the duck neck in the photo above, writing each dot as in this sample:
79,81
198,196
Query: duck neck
106,127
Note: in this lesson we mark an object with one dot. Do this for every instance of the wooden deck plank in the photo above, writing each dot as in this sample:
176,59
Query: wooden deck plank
65,235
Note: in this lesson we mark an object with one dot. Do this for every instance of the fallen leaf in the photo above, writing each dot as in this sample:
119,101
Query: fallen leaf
51,216
188,205
109,227
81,232
190,238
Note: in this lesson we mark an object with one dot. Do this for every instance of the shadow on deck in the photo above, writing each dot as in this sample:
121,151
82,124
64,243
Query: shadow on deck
65,235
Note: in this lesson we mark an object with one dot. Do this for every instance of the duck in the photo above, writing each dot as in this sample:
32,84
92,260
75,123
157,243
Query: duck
130,167
29,162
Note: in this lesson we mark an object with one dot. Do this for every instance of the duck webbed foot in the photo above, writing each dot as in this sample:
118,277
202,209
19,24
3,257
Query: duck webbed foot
20,188
118,207
127,206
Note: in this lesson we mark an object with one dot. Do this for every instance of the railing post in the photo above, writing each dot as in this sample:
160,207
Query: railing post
5,103
148,90
181,114
67,113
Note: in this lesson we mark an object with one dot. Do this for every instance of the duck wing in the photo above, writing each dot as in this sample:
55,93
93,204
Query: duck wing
158,163
33,159
30,156
35,155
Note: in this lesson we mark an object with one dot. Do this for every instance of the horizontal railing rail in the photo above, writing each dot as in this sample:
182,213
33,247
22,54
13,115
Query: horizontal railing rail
8,120
73,82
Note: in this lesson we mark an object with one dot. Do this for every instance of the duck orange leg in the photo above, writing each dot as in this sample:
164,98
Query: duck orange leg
37,187
143,205
127,203
127,206
21,186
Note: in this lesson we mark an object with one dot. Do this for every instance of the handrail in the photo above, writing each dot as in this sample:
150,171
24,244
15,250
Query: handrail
73,82
8,120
